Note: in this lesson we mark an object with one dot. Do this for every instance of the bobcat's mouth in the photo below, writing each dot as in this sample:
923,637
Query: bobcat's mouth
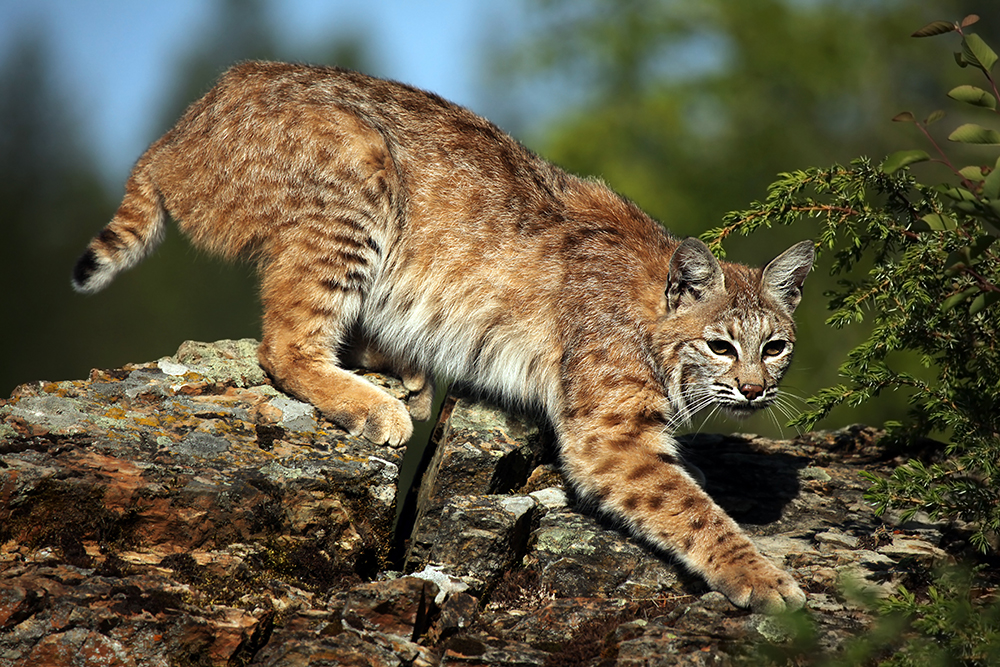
744,409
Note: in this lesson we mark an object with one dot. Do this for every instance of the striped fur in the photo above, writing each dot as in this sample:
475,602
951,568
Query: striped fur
408,232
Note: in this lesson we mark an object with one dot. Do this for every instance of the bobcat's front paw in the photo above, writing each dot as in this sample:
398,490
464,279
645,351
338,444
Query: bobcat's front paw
421,399
761,586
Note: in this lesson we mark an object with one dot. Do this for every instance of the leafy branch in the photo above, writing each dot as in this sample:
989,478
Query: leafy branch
918,261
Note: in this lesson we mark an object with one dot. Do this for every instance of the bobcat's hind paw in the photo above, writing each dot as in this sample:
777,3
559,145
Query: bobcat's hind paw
381,419
389,423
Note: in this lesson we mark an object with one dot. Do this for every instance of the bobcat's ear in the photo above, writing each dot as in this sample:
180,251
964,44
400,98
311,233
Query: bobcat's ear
783,278
694,272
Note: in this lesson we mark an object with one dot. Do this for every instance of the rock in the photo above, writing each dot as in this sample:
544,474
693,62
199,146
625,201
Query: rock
457,613
317,638
475,538
447,585
474,652
462,525
402,607
577,557
233,361
834,540
912,547
184,511
480,450
189,484
71,616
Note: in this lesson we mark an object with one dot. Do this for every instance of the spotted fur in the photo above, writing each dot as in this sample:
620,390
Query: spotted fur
388,218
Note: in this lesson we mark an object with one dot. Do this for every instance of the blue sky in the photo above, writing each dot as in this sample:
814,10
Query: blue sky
115,58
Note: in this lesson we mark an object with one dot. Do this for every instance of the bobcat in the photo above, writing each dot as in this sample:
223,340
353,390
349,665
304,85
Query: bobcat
387,216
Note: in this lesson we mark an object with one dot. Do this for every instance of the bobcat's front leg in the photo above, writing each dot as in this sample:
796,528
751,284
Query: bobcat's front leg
623,465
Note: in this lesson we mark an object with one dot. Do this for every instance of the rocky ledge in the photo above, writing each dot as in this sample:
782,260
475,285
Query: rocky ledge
185,512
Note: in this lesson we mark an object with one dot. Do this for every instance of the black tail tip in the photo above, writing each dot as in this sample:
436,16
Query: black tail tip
85,267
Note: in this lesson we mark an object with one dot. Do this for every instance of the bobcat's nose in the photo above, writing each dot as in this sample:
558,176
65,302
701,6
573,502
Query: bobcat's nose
751,391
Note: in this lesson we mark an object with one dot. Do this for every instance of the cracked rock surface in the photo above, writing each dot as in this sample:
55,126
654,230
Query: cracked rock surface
185,512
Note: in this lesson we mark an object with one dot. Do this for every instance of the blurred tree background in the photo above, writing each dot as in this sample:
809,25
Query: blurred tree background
689,107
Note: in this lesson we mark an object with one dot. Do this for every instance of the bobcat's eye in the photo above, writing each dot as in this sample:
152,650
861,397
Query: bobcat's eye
722,348
774,348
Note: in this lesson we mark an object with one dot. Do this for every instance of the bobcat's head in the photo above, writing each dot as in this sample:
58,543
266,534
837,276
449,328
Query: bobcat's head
728,331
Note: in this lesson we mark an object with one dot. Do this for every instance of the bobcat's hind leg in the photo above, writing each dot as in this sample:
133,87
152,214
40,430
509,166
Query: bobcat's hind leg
305,316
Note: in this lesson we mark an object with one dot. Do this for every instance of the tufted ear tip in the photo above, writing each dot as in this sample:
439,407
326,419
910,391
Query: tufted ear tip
804,251
785,275
694,270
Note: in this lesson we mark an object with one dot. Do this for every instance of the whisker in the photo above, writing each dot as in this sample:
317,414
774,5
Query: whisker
788,411
774,420
789,396
701,398
711,413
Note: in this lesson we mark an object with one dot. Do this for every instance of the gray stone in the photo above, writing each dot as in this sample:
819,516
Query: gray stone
550,498
834,539
52,413
910,547
447,584
481,450
295,415
232,361
817,474
474,538
576,557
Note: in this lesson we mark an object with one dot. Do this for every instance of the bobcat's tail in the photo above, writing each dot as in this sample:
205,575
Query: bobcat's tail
133,233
